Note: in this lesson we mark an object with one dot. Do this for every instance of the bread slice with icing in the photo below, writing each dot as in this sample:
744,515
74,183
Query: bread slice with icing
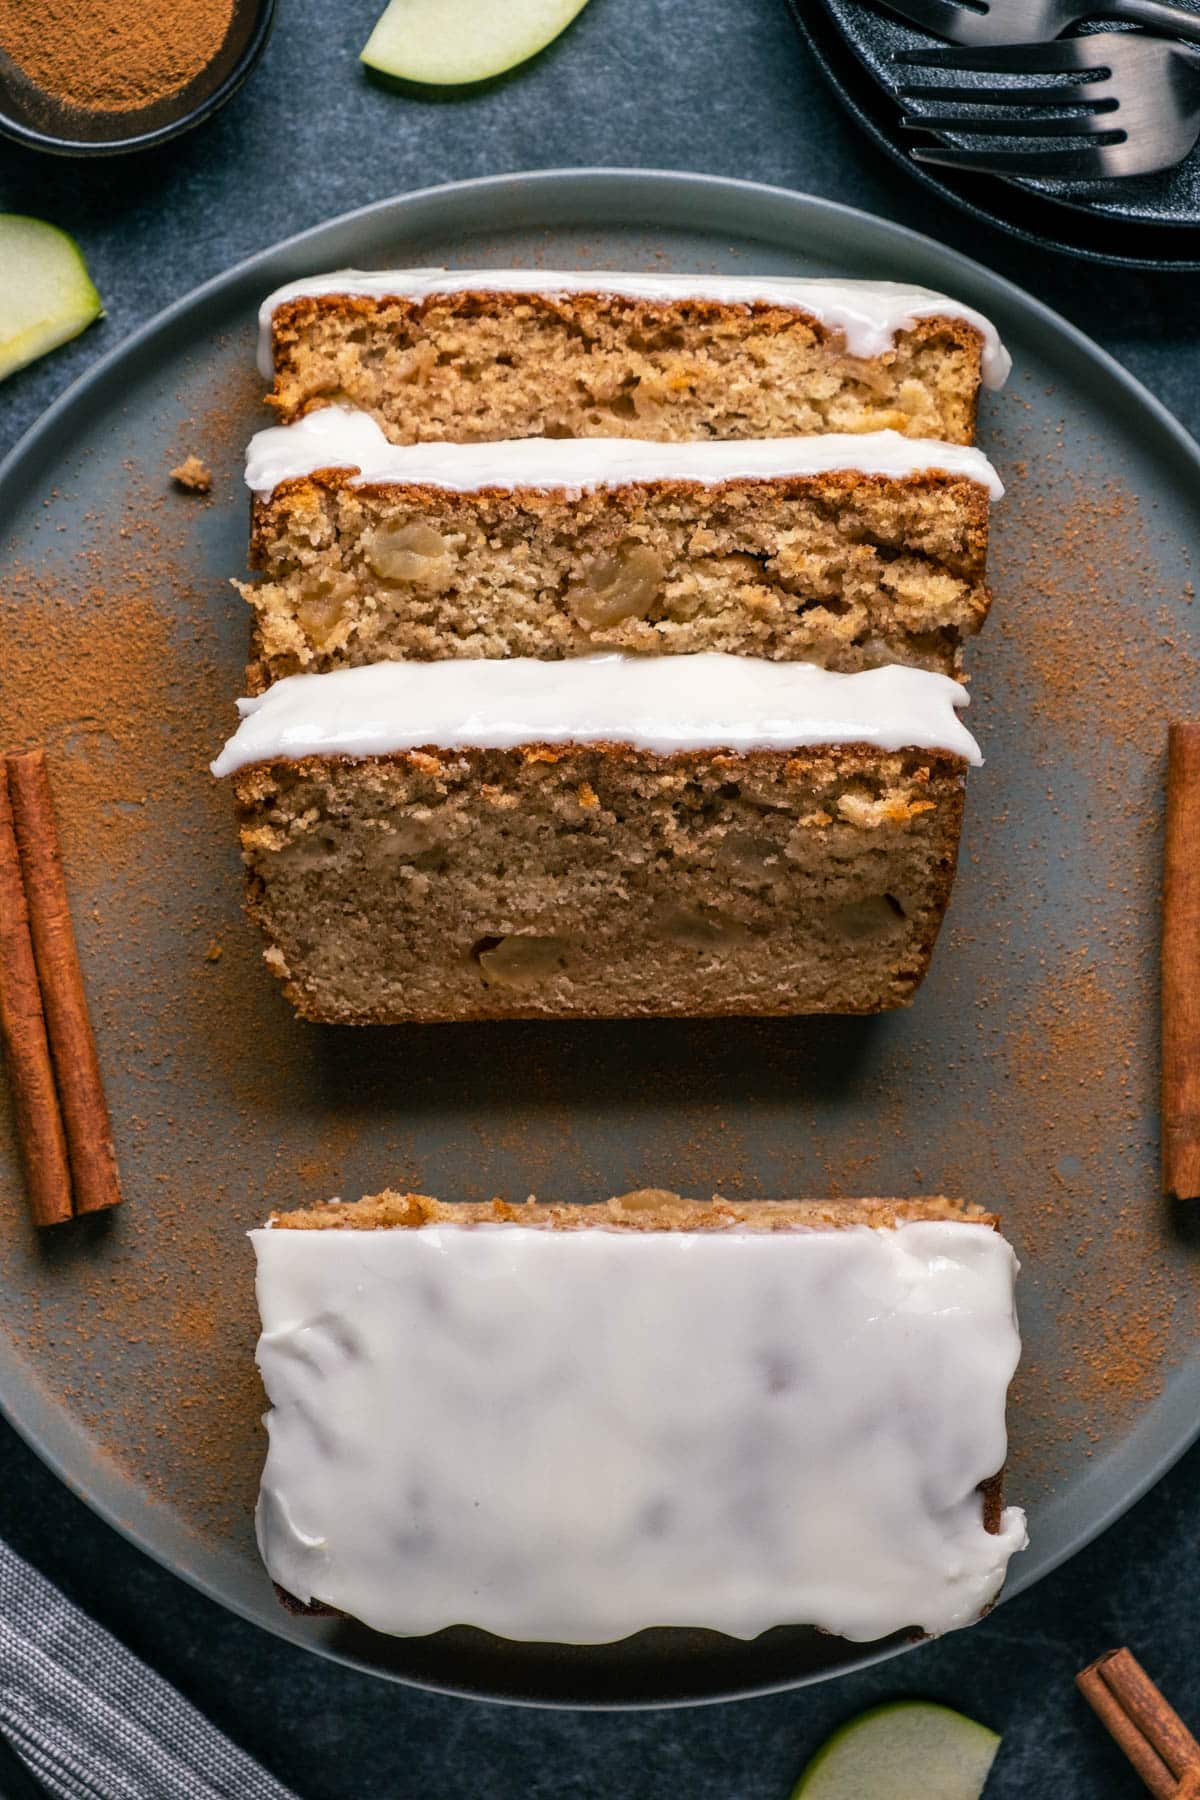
849,552
571,1423
462,356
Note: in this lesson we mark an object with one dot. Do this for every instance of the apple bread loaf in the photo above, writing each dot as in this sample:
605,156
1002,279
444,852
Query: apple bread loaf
463,356
571,1423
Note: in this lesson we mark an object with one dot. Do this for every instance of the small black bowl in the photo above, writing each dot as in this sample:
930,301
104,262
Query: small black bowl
44,122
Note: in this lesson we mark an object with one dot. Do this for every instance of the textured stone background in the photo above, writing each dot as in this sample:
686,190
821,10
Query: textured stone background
719,85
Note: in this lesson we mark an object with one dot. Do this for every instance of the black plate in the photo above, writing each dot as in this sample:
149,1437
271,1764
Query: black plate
853,42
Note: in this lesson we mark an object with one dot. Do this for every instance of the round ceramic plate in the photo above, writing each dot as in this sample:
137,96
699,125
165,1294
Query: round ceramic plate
1023,1076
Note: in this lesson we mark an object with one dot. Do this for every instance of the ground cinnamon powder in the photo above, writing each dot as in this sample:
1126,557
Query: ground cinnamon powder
113,55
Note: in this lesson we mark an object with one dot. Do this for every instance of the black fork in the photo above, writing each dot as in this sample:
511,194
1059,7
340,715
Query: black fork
1119,104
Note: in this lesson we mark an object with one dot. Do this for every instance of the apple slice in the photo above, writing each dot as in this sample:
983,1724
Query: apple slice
452,43
46,296
906,1748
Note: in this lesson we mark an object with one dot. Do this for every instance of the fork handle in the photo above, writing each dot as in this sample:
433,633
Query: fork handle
1155,15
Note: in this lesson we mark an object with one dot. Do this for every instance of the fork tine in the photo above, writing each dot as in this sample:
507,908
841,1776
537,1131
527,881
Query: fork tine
1080,165
1058,95
1089,125
933,15
998,59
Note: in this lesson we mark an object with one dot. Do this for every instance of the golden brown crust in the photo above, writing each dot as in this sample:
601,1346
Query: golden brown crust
645,1209
992,1492
829,484
290,318
842,760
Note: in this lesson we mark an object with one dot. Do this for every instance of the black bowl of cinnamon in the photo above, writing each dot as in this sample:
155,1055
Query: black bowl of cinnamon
97,77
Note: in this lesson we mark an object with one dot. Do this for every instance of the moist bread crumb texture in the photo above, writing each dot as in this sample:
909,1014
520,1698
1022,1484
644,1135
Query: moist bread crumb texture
483,367
847,570
598,882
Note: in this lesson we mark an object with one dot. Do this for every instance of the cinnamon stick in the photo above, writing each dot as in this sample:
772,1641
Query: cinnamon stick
1181,967
26,1047
94,1178
1148,1730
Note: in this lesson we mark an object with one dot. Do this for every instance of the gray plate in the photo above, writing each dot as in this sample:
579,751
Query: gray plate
1024,1075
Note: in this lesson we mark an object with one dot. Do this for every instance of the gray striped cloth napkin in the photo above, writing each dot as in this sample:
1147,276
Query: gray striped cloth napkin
94,1723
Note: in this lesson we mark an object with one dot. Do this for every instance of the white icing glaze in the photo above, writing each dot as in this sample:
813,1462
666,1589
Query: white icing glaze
869,313
656,703
570,1436
337,437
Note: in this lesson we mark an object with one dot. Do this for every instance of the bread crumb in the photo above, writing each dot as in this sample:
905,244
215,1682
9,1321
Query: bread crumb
193,475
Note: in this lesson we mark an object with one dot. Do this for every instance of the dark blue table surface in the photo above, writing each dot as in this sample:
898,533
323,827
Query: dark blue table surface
719,85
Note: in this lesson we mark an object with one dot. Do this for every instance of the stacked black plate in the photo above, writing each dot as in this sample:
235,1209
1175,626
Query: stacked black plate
1147,221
